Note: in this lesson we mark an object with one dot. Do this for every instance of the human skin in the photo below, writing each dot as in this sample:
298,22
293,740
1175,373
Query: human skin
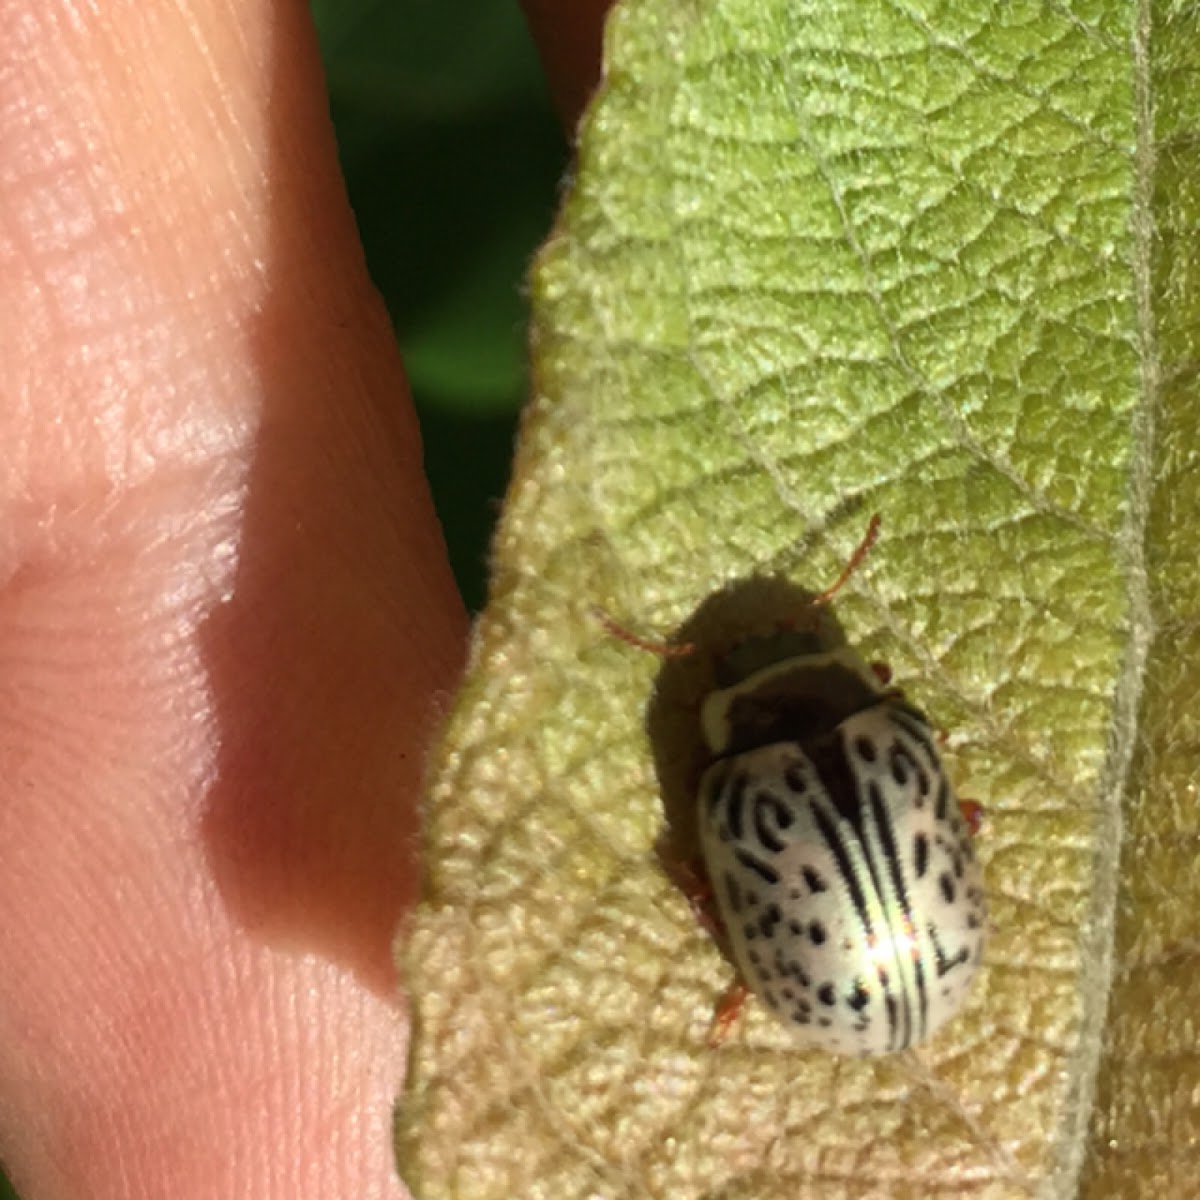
227,625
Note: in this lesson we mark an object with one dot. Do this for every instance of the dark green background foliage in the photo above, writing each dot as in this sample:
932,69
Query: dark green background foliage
452,157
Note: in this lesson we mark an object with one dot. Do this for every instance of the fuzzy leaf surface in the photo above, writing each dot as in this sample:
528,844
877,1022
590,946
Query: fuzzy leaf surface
819,260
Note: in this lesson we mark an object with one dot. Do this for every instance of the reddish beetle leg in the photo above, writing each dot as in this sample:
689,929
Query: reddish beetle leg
972,812
729,1008
697,889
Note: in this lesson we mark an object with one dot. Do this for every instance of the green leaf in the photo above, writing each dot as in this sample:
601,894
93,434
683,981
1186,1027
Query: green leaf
820,260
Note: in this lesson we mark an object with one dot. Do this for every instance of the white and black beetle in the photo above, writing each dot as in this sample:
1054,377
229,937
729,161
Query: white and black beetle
840,863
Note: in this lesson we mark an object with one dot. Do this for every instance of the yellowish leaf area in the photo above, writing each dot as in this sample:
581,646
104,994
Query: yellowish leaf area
820,260
1145,1131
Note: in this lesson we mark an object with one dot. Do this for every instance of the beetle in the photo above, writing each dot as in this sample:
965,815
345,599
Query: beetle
839,869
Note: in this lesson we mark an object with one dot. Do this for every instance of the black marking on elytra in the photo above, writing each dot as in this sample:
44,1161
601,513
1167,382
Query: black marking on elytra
943,963
916,726
793,776
800,1017
752,899
769,920
827,993
770,998
974,920
792,969
922,784
816,933
754,957
865,748
763,870
815,882
859,997
942,807
959,865
795,928
733,892
735,805
903,763
895,868
749,931
920,855
908,1012
946,884
769,815
831,762
831,835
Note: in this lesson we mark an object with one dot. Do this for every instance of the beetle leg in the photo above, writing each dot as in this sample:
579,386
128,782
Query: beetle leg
692,880
972,812
728,1010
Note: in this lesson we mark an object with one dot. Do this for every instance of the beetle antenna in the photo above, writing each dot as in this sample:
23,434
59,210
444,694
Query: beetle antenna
860,552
